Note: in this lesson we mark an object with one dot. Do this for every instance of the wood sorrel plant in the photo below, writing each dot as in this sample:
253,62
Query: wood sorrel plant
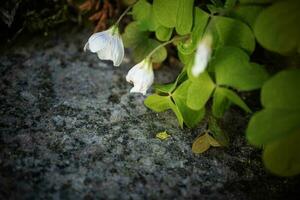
214,41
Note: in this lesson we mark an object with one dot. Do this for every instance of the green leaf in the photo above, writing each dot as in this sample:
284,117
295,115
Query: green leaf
165,12
163,34
164,89
200,22
184,20
141,44
277,126
170,87
277,27
281,157
247,13
185,58
200,91
190,117
220,103
157,103
230,4
142,12
232,32
160,54
233,69
269,125
234,98
217,132
175,13
255,1
177,112
282,90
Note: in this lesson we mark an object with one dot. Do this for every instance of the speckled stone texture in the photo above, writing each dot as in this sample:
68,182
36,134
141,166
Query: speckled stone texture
69,129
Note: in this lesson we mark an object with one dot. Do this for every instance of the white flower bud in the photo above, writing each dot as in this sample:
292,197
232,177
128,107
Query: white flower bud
142,76
108,45
202,56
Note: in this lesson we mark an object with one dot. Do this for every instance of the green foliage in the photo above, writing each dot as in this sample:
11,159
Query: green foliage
142,12
232,68
247,13
217,131
176,14
277,126
163,33
195,99
169,98
277,27
256,1
200,22
234,25
158,103
141,44
231,32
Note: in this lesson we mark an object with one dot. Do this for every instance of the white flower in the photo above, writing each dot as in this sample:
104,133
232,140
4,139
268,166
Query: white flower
142,76
202,56
108,45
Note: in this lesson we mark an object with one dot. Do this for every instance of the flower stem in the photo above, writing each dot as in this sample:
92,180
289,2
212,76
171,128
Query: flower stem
166,43
123,14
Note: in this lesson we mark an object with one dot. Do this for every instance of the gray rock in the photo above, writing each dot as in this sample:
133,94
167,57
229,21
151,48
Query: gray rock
71,130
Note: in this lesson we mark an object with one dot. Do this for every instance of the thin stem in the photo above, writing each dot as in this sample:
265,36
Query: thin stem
123,14
166,43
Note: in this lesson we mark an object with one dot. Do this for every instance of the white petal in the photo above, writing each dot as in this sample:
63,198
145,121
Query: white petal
117,51
99,41
104,54
131,73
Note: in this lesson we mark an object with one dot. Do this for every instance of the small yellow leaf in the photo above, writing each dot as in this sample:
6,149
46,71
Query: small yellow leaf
162,135
213,142
201,144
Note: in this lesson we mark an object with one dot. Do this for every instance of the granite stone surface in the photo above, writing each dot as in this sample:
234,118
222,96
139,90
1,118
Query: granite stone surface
70,129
